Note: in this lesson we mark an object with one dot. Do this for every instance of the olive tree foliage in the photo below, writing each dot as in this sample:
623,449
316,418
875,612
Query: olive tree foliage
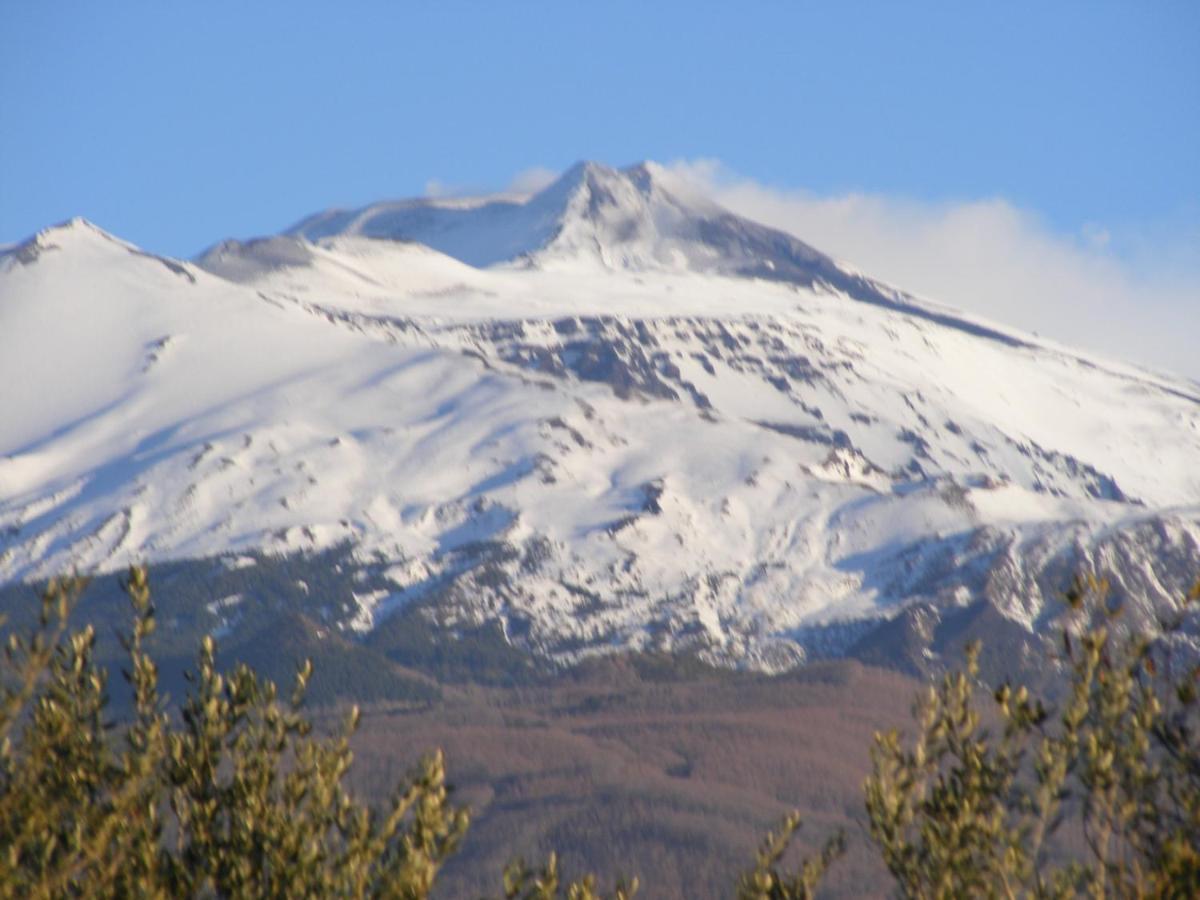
232,796
522,883
961,809
766,881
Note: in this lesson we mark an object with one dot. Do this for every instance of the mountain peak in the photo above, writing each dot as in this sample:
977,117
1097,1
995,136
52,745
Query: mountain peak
76,226
74,232
632,186
635,218
586,169
583,178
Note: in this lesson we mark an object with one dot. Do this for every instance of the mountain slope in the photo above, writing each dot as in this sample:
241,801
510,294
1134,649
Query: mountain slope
607,415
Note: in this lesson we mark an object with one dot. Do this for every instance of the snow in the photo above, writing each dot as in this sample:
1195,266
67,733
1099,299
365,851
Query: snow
586,372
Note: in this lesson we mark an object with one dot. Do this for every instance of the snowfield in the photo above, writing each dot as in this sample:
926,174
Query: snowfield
608,415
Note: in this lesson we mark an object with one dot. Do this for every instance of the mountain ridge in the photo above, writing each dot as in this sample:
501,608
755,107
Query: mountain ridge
653,445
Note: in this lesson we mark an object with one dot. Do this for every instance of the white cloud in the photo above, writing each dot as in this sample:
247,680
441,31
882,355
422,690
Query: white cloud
992,258
532,180
436,188
527,181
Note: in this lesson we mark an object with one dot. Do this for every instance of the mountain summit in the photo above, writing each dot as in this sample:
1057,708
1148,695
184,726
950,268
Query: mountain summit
619,218
639,219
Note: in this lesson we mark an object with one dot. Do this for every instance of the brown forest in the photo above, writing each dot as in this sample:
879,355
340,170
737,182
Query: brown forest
663,782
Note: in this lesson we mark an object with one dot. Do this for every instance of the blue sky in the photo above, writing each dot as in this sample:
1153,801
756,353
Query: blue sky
177,124
173,124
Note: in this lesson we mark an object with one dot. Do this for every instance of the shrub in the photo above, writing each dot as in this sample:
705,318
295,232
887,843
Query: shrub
958,811
234,798
233,795
766,882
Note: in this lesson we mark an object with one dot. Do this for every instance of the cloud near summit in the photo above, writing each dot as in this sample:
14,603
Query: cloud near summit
995,259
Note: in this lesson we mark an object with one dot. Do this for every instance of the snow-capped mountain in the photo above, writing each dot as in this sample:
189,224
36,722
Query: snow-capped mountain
610,414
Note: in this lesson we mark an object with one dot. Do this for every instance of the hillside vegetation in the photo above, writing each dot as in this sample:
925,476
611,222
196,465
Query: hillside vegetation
234,792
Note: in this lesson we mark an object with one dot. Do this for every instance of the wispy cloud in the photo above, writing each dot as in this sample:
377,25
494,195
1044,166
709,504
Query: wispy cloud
437,188
532,180
1130,296
527,181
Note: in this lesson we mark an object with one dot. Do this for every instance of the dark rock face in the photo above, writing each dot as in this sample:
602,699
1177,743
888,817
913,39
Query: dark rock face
923,639
1016,608
813,434
604,350
1098,484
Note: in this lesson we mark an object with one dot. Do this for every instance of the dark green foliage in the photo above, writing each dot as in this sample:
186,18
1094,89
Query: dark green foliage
652,666
272,613
343,668
467,653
